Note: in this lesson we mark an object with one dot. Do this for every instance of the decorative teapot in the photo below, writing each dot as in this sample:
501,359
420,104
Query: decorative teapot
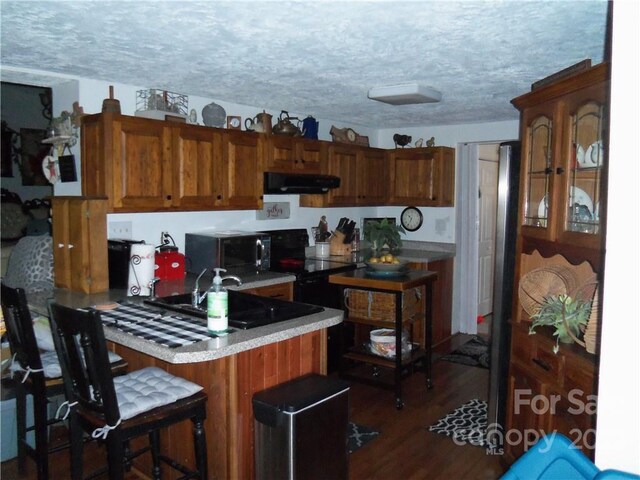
285,126
310,127
260,123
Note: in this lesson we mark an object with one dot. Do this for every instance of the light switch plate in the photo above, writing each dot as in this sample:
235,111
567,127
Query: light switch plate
119,230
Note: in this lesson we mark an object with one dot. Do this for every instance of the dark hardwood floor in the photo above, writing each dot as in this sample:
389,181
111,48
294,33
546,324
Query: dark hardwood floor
405,449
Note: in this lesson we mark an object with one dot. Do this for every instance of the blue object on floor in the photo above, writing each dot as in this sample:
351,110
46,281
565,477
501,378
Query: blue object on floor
554,457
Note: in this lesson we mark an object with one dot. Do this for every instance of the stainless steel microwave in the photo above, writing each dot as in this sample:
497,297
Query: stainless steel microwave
235,251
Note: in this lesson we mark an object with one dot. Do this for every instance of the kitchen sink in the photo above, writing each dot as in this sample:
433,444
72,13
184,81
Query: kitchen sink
245,309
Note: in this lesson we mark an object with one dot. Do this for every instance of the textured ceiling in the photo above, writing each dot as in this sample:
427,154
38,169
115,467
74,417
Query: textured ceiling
313,58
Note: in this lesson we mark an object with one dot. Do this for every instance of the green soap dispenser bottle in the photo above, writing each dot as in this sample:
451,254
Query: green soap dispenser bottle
217,305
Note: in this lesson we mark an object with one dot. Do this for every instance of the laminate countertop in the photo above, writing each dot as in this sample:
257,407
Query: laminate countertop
203,351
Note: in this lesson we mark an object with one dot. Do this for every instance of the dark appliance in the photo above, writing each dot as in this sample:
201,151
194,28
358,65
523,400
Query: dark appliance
119,252
286,183
301,429
312,281
234,251
505,251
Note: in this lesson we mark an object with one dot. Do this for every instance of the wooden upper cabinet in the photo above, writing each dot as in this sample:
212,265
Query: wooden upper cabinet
422,176
294,154
372,177
197,160
145,165
242,167
343,163
128,160
362,173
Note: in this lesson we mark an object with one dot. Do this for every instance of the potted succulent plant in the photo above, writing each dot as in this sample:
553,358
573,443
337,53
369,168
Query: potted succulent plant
567,315
383,234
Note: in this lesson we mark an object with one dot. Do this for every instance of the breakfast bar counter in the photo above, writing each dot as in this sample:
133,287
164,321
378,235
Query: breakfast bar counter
231,370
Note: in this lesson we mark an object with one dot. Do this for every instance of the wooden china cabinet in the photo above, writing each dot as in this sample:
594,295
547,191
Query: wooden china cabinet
562,205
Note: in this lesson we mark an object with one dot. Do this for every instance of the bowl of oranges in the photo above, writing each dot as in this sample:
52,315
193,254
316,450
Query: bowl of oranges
386,263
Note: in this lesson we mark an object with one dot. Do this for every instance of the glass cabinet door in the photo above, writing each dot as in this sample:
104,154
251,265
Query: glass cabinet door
538,169
585,169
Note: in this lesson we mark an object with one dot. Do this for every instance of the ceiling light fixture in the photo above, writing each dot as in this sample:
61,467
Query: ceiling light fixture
405,94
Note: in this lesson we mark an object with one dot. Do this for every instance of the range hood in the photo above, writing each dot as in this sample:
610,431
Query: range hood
286,183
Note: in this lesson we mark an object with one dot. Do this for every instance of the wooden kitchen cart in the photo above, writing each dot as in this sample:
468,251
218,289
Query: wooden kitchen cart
400,364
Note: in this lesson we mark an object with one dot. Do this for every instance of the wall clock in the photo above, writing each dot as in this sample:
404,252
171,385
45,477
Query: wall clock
233,122
411,219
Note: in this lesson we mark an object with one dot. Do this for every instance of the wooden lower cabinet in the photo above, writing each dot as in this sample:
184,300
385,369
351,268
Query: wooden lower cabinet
230,384
548,393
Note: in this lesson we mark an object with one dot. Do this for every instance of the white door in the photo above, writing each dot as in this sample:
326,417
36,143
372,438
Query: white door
487,204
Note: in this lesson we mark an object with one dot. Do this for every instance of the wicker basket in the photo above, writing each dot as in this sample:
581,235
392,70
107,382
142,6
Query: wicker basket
539,283
589,292
381,306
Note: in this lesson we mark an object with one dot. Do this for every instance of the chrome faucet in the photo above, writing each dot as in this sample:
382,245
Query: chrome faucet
233,277
196,298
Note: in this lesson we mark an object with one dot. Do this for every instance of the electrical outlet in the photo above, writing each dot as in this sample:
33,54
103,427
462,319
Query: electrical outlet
120,230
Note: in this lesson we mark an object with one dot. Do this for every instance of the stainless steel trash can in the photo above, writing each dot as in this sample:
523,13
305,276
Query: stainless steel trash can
301,430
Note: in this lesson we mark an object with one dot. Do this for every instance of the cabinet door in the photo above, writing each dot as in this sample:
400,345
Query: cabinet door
540,127
581,169
294,155
343,163
196,151
526,412
242,168
372,177
422,176
80,244
283,291
141,156
311,155
281,154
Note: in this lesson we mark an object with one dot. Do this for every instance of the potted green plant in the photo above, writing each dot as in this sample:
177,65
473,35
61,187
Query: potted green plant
383,234
567,315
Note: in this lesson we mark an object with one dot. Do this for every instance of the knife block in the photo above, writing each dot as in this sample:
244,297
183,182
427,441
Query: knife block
338,247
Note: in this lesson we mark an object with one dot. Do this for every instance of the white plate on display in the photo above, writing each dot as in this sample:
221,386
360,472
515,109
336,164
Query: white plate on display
542,211
580,157
577,195
593,155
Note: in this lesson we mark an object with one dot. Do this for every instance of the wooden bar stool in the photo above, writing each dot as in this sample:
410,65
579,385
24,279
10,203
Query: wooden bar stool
36,373
119,409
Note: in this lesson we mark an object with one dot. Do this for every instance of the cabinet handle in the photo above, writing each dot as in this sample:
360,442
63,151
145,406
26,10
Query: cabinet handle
559,171
168,197
542,364
70,245
219,197
548,170
61,245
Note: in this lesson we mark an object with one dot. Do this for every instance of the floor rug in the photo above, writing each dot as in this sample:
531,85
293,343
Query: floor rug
359,435
475,353
466,424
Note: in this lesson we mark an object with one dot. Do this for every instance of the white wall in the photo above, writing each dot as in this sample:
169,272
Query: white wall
618,422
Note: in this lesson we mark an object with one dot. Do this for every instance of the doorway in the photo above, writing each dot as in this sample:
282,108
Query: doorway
488,164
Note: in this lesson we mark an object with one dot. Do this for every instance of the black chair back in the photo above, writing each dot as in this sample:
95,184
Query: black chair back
82,350
22,338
